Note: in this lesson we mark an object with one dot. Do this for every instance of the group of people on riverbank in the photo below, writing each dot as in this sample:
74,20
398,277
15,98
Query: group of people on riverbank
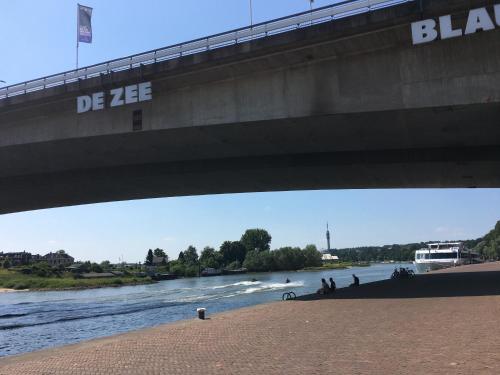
325,288
328,289
402,273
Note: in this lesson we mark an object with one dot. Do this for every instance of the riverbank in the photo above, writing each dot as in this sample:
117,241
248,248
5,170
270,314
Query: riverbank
402,327
15,281
336,266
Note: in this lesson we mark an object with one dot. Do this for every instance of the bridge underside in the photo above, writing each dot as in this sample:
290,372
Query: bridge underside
338,105
452,147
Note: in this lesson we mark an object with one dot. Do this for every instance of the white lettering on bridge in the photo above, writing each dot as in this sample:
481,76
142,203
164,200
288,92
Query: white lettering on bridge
478,20
119,96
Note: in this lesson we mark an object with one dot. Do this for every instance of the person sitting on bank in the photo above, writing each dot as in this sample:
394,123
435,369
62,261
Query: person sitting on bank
356,281
332,285
324,287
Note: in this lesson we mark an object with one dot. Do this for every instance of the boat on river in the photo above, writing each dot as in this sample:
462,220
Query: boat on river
443,255
210,272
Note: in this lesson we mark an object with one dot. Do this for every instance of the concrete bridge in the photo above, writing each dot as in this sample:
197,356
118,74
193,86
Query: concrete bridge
350,103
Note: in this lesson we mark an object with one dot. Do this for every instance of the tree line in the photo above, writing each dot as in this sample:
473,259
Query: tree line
401,253
487,246
252,251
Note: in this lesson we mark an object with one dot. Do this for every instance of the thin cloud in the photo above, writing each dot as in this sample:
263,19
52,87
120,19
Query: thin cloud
450,232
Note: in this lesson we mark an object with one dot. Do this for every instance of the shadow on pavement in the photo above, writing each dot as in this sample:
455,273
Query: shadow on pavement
458,284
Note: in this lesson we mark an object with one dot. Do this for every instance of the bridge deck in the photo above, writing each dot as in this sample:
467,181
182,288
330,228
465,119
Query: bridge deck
444,324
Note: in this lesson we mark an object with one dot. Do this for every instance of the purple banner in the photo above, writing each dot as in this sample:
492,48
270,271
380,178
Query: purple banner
84,24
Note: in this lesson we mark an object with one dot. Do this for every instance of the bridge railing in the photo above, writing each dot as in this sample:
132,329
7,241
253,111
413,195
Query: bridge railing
260,30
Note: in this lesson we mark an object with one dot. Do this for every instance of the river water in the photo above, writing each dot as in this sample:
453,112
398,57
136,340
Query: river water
31,321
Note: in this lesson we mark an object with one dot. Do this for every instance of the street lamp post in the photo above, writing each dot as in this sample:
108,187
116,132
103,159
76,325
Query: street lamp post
251,14
311,8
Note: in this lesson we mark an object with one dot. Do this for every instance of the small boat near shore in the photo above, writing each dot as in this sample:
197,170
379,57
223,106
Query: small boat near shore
207,272
443,255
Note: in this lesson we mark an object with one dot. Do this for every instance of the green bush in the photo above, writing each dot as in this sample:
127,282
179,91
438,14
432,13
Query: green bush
177,268
234,265
20,286
191,271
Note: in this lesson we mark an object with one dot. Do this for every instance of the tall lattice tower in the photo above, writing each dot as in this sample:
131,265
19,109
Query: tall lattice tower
327,236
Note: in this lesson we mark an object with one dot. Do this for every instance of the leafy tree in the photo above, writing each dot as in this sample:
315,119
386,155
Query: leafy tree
180,258
207,253
85,267
94,267
489,245
183,269
177,268
256,239
210,258
42,269
257,261
234,265
6,264
149,258
190,256
232,251
288,258
106,264
312,257
191,270
61,252
159,253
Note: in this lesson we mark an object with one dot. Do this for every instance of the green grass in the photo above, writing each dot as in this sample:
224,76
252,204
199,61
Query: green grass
18,281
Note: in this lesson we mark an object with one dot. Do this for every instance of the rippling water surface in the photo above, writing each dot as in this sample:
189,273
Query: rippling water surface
35,320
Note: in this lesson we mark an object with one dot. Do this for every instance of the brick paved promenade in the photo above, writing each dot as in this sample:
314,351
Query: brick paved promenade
442,323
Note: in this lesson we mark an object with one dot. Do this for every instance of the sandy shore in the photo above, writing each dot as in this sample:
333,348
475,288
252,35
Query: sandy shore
5,290
444,323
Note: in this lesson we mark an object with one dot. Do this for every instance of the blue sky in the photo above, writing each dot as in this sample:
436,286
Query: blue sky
39,39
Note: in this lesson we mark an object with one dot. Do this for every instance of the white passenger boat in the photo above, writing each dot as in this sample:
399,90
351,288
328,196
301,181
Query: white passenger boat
442,255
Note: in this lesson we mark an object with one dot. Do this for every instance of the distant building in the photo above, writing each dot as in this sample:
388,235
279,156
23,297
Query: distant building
158,261
24,258
16,259
328,258
57,259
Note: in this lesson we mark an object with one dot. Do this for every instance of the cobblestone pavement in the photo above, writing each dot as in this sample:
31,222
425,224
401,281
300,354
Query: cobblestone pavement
419,334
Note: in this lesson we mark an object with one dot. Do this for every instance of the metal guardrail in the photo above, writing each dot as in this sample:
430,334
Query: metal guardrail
261,30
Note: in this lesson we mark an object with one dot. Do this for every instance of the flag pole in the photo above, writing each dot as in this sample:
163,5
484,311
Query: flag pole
77,31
